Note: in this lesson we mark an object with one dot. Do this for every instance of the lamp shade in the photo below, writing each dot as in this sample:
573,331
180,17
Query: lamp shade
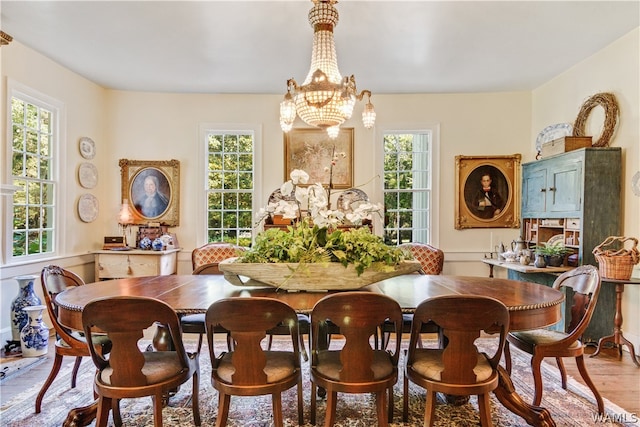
125,216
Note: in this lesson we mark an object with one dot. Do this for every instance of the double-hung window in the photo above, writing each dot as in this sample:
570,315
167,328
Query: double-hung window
34,160
230,189
408,187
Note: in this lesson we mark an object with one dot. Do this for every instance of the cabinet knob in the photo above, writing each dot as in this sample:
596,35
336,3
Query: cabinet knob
543,190
552,188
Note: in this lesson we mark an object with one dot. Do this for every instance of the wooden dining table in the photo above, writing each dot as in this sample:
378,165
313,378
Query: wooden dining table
530,305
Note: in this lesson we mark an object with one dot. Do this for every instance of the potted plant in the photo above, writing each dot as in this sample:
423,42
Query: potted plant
553,254
314,253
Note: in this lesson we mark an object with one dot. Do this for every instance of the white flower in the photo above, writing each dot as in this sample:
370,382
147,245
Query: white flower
364,211
298,176
314,198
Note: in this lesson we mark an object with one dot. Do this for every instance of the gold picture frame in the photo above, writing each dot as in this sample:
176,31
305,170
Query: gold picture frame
499,205
159,205
311,150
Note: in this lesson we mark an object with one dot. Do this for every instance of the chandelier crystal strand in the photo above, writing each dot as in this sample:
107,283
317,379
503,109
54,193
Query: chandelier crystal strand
325,99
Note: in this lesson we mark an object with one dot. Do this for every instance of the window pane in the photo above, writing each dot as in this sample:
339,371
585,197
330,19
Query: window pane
215,143
230,143
230,181
215,200
246,180
19,243
245,201
215,219
20,217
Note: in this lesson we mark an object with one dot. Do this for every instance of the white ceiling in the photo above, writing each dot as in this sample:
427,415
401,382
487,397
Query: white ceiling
254,47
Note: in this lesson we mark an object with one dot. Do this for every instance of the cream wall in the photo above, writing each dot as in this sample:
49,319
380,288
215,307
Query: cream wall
158,126
84,103
615,69
154,126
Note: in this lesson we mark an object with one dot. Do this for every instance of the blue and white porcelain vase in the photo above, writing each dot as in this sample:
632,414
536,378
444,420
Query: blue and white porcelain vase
34,337
145,243
157,244
26,297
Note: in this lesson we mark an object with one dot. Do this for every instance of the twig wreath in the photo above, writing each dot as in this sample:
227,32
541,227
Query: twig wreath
608,102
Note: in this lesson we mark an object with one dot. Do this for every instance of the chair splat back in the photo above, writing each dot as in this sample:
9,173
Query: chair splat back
248,328
54,280
458,368
357,318
126,359
248,369
130,372
472,316
584,282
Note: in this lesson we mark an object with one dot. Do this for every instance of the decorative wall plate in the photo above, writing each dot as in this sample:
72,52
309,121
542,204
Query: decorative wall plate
88,207
553,132
352,198
88,175
87,147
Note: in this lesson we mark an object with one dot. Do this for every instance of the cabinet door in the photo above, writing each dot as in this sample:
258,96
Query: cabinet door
565,187
534,187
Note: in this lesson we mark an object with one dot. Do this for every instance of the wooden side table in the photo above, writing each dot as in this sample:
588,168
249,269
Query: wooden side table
134,263
617,339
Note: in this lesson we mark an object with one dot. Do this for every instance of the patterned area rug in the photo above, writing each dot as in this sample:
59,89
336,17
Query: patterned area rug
572,407
12,364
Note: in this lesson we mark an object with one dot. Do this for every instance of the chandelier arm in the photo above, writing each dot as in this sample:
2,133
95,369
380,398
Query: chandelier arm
362,94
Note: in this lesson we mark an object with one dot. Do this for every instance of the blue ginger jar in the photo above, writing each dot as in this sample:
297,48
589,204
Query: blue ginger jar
34,337
26,297
145,243
157,244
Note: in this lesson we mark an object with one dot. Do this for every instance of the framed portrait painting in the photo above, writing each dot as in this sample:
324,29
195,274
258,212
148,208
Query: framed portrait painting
487,192
152,189
311,150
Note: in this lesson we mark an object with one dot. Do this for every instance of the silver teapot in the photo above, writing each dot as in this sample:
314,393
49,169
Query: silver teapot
519,245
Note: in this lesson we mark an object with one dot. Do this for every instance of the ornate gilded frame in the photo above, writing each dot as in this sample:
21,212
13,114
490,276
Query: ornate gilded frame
167,175
470,210
311,149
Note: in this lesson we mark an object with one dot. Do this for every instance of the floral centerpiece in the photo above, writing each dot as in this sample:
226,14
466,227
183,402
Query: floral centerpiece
305,255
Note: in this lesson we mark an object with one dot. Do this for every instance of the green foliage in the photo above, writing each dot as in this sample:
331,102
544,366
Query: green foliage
304,243
551,250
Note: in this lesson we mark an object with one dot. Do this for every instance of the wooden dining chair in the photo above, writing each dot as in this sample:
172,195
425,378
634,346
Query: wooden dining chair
432,261
205,260
130,372
249,369
55,279
540,343
457,368
358,366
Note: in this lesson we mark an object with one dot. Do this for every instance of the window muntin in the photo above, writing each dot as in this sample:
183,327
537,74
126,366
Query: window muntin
407,187
33,140
230,186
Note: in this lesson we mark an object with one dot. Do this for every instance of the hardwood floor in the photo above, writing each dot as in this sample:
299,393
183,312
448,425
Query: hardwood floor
618,380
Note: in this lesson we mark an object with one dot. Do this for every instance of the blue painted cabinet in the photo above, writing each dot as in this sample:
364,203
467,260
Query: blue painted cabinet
575,197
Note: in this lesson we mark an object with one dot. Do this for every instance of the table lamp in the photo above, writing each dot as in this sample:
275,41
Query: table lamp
125,219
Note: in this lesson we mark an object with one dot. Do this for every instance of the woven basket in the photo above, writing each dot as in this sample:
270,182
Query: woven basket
616,263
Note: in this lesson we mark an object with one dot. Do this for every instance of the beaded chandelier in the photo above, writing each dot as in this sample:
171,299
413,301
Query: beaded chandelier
325,99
